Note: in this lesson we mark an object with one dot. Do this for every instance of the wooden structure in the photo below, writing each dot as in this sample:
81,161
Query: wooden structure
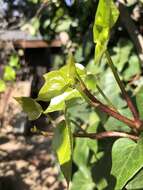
24,40
38,52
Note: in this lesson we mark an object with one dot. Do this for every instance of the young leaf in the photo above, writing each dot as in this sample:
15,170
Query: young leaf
62,145
139,101
55,84
58,103
127,160
30,106
72,70
105,18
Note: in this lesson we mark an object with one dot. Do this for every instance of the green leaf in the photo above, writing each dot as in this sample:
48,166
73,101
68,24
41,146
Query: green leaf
69,72
108,83
62,145
136,183
58,103
113,124
79,54
9,73
14,60
30,106
90,82
139,101
127,160
81,153
82,180
55,84
2,86
105,18
133,68
122,53
79,111
94,121
32,26
63,25
72,70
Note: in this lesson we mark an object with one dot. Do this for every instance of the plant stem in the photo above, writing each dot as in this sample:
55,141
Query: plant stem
121,85
93,101
97,136
106,134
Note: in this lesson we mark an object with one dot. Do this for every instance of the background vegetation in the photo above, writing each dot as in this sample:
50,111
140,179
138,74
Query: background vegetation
72,23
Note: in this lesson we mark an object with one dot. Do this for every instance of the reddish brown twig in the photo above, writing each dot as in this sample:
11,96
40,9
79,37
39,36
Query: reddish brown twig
122,87
106,134
99,105
97,136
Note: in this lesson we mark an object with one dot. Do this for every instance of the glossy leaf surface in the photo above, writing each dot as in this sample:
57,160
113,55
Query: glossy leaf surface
57,82
58,103
54,85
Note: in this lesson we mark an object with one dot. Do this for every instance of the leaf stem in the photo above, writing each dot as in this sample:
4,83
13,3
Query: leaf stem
97,136
106,134
93,101
122,87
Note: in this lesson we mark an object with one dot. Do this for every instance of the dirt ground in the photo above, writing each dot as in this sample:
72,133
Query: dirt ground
26,161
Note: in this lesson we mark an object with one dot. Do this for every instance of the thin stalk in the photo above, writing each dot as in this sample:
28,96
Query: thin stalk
96,136
106,134
78,126
122,87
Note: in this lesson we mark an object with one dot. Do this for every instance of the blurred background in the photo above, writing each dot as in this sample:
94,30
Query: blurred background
35,37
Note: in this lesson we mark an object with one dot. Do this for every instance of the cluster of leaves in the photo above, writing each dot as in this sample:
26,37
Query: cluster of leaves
89,155
101,165
55,17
